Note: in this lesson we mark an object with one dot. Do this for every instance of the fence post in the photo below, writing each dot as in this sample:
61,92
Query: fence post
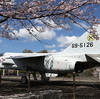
74,94
0,78
29,81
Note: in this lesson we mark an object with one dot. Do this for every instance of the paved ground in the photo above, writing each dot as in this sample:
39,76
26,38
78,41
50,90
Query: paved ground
85,88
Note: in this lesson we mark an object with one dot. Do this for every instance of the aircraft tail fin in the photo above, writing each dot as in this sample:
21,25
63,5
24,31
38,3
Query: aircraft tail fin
85,44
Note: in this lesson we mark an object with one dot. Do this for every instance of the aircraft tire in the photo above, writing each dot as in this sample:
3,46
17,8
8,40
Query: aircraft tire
24,80
45,80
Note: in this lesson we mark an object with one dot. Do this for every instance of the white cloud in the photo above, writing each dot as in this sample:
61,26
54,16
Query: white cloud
51,22
82,24
0,40
38,21
46,35
50,46
52,51
62,50
64,41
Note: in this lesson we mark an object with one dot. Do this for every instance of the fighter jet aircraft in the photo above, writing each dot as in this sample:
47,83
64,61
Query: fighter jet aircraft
82,54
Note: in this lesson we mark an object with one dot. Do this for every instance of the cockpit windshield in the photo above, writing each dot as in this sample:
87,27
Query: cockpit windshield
1,54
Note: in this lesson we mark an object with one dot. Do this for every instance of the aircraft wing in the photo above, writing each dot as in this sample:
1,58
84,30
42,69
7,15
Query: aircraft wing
10,62
29,56
24,61
95,57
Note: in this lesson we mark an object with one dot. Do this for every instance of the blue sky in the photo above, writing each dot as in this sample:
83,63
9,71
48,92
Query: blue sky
56,39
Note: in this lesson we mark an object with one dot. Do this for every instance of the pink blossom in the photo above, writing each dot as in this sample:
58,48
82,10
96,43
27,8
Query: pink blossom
60,12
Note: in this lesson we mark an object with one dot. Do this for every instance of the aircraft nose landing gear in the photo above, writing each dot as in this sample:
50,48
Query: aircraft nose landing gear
24,80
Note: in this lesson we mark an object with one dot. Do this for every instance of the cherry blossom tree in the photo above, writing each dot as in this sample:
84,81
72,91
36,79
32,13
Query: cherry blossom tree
43,14
96,72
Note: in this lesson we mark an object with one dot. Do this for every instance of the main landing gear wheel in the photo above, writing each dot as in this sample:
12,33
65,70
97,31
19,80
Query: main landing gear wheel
45,80
24,80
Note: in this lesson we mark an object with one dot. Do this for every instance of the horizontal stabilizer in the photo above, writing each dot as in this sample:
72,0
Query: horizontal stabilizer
8,62
95,57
